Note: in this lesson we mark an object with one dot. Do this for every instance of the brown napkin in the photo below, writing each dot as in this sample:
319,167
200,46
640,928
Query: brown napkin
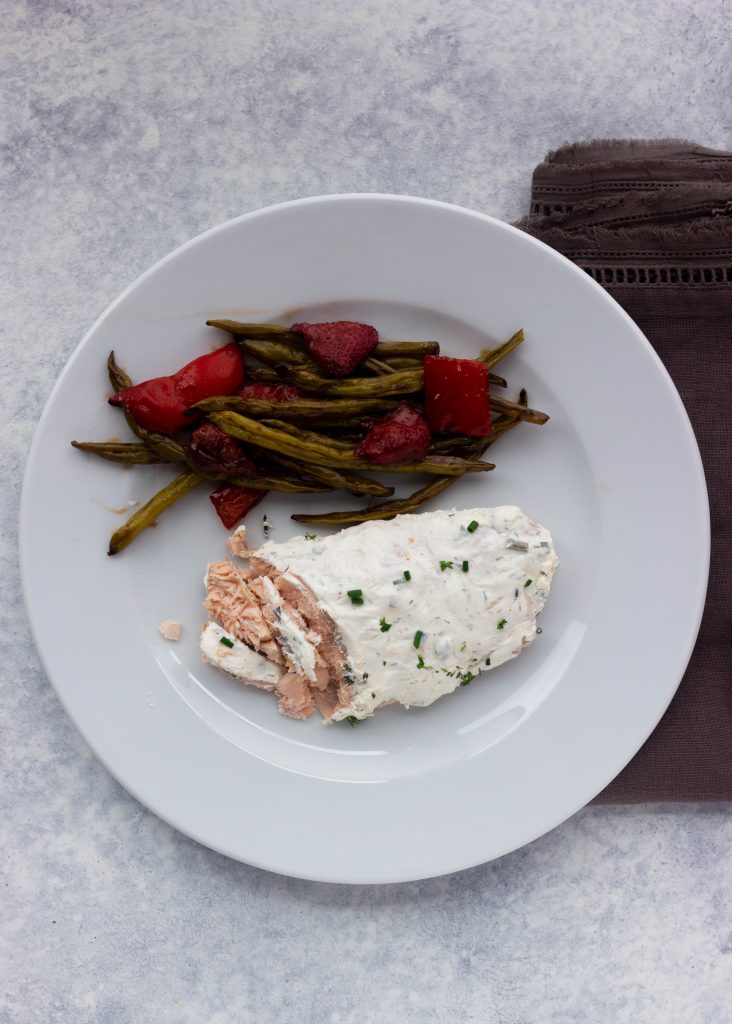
652,223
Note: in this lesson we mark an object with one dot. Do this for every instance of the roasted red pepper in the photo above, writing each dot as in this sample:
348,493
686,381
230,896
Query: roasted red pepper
400,436
456,399
159,404
213,451
272,392
232,503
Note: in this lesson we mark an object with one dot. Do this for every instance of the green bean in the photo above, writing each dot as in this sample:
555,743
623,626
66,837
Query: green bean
517,408
401,382
245,330
323,454
491,356
411,349
275,352
401,506
287,485
148,514
376,366
117,376
336,481
308,435
263,375
316,411
119,451
384,510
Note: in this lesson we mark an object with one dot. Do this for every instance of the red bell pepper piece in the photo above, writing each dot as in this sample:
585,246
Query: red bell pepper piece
400,436
456,399
232,502
159,404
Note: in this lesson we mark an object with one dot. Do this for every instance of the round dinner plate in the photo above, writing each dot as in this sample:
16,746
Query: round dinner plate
615,475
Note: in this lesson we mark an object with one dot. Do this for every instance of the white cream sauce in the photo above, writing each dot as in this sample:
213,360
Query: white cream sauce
473,595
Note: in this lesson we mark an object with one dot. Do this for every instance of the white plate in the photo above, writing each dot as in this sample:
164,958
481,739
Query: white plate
615,475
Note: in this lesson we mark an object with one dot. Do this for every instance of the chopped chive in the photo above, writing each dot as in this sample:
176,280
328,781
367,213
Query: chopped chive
472,526
528,584
310,536
352,720
488,662
463,645
225,641
418,638
420,661
467,678
515,593
383,663
407,575
502,623
539,630
384,626
373,695
466,566
445,565
356,596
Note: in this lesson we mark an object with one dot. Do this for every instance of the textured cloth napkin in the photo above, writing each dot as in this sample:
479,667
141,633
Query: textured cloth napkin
652,223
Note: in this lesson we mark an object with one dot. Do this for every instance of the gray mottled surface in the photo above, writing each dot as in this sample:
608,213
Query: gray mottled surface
128,127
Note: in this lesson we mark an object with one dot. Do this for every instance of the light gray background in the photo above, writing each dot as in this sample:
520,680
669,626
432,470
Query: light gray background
128,127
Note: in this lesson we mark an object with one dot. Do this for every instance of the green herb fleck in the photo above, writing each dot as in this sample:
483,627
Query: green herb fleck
421,664
463,645
418,638
539,630
488,662
515,593
502,623
352,720
445,565
466,566
383,663
528,584
384,626
310,536
472,526
407,575
466,678
225,641
356,596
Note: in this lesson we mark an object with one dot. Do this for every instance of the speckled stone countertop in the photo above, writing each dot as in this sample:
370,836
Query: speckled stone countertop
127,128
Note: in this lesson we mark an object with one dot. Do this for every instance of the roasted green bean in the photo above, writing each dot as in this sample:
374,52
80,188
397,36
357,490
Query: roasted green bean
401,506
148,514
314,411
335,480
323,454
401,382
128,454
492,356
